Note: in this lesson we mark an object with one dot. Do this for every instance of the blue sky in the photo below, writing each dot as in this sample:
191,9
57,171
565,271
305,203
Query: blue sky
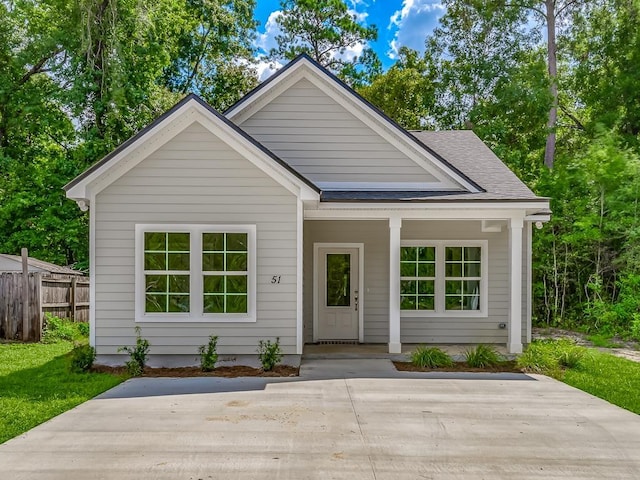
399,22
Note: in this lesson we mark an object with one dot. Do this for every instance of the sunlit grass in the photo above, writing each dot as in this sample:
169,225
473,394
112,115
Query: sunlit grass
36,385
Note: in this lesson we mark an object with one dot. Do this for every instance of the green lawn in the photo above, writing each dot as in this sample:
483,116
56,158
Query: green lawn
614,379
36,385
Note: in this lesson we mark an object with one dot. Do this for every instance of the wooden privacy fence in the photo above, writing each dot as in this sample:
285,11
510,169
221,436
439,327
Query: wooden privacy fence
60,295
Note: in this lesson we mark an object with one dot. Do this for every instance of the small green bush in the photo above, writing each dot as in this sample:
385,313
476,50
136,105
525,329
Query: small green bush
269,354
550,357
209,354
83,328
634,329
82,358
137,355
430,357
482,356
57,329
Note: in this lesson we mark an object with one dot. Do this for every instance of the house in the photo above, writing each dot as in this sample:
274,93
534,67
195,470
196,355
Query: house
13,264
304,213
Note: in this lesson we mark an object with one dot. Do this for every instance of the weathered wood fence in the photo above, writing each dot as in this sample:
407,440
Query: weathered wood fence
60,295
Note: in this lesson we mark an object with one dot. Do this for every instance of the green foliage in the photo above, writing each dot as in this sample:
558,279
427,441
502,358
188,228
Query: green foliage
84,328
550,357
137,354
269,354
82,358
37,385
430,357
482,356
58,329
635,327
209,354
324,29
603,341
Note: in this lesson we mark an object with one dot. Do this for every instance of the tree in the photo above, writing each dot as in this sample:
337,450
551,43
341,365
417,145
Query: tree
406,91
215,51
326,31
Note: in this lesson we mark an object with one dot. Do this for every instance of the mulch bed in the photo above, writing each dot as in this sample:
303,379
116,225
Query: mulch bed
228,372
503,367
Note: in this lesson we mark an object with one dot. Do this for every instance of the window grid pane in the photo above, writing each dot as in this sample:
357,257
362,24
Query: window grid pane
462,278
167,272
225,276
417,278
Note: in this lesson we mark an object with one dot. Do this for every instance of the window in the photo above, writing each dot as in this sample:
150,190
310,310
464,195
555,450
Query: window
195,272
443,278
417,278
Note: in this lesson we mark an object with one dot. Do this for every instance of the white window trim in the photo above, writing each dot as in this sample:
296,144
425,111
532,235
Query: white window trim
440,279
196,284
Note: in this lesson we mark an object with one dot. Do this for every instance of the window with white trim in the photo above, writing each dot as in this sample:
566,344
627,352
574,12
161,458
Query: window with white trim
195,272
445,278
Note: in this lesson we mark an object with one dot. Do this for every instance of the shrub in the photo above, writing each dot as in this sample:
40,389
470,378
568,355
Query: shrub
269,354
57,329
549,357
482,356
137,355
635,327
209,354
82,358
431,357
83,329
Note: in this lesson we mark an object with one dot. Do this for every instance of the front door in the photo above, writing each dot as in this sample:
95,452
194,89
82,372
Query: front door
338,294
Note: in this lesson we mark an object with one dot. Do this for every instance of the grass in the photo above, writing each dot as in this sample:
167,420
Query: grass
36,385
482,356
603,341
614,379
430,357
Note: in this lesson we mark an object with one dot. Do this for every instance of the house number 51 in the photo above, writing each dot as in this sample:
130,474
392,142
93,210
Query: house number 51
275,279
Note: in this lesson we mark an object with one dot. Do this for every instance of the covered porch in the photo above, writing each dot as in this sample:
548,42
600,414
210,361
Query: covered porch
471,286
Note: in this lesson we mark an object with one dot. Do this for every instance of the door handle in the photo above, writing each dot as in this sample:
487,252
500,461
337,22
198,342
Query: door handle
355,298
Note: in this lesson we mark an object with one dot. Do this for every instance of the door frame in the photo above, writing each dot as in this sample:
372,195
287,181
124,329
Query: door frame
316,283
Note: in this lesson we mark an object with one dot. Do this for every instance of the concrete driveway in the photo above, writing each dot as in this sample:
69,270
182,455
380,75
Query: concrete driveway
342,419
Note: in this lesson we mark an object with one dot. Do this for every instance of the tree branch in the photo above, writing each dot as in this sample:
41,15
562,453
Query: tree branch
38,67
573,118
565,6
528,7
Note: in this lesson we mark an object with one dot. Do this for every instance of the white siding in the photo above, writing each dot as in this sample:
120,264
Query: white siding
461,329
325,142
375,236
195,178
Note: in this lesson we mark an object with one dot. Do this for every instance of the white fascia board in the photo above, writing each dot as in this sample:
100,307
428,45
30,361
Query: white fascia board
304,69
177,122
438,211
382,186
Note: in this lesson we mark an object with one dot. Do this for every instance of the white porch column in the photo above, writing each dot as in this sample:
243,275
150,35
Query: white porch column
514,344
395,223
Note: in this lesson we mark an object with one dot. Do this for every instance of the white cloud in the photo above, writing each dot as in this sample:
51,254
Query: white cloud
267,40
265,69
413,22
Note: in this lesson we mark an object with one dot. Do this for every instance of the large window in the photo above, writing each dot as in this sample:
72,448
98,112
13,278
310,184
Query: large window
443,278
195,272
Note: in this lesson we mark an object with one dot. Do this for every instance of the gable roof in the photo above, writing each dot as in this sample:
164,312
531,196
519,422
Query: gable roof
102,165
13,263
304,61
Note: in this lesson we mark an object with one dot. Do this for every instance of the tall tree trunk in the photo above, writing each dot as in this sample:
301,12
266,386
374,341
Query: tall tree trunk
552,63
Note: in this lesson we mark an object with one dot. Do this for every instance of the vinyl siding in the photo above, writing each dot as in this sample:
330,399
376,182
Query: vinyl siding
375,236
325,142
195,178
461,329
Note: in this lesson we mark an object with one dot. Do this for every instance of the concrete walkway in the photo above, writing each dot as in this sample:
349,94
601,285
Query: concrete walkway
342,419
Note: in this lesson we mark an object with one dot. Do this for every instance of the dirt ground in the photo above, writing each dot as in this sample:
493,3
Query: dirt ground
228,372
626,349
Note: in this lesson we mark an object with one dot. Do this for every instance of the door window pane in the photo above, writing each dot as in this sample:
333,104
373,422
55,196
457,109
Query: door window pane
338,280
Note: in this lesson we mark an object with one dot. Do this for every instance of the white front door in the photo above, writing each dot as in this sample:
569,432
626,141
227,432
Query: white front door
338,295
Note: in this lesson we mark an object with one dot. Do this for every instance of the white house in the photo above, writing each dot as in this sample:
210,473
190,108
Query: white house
304,213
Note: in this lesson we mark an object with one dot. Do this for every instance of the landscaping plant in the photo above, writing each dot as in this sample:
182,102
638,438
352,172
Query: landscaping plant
483,356
57,329
82,358
209,354
430,357
269,354
138,354
549,357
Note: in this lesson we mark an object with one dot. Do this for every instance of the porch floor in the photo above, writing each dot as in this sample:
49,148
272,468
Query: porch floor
380,350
